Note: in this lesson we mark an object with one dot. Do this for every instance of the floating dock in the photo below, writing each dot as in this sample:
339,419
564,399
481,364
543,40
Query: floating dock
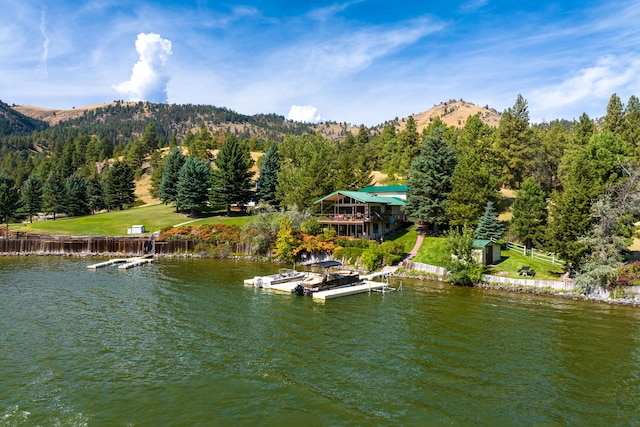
125,262
107,263
135,262
365,286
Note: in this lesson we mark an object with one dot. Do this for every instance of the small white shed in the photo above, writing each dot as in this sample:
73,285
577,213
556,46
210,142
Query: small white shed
136,229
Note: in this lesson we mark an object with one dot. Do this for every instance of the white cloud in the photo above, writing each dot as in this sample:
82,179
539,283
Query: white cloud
149,78
609,75
45,43
304,113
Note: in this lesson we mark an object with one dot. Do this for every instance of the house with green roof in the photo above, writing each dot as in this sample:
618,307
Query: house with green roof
370,213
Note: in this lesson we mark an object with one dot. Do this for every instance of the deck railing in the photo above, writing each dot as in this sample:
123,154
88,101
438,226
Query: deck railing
361,217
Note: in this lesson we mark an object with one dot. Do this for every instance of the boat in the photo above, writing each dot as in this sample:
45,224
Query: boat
283,276
329,280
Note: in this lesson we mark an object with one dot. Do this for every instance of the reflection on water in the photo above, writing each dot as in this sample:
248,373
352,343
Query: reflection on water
184,342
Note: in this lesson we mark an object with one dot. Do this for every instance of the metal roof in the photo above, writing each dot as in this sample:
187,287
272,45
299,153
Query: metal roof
363,197
384,189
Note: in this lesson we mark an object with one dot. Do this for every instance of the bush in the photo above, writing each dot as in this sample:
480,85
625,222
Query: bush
371,259
394,248
311,226
349,255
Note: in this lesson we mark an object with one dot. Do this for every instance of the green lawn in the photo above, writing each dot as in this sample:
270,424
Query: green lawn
433,251
116,223
407,237
512,261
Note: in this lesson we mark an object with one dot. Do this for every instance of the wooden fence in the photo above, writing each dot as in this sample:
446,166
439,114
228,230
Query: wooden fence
535,254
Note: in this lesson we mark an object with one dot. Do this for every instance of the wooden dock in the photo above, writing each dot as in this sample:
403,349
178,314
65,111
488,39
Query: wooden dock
365,286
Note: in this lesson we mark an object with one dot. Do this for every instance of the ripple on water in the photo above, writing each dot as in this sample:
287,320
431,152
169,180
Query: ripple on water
184,342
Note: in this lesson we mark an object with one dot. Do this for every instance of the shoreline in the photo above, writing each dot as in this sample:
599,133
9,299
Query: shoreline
635,302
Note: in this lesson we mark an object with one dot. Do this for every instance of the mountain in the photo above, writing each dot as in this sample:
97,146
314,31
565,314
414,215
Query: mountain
126,120
123,120
12,122
453,113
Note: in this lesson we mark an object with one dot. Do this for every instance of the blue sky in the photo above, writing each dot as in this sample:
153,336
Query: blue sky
355,61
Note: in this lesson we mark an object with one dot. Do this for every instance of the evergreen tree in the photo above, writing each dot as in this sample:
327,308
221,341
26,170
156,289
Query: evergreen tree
546,160
307,170
472,186
570,211
489,228
54,197
631,135
76,200
231,180
156,164
150,139
95,194
268,179
583,130
10,201
408,145
193,185
613,121
172,164
530,214
32,196
514,143
119,186
429,182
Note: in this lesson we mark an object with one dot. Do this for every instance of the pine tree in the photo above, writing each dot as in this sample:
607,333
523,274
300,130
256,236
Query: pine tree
10,201
583,130
193,185
32,193
172,164
570,211
150,139
514,143
472,186
530,213
54,196
95,194
231,180
268,179
489,228
613,121
307,170
429,182
76,200
119,186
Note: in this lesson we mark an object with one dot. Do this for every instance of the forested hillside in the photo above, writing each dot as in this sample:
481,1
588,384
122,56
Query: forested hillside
576,182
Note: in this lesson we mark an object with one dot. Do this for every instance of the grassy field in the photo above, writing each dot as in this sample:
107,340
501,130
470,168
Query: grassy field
116,223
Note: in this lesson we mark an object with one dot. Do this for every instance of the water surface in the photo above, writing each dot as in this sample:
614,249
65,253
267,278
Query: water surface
184,342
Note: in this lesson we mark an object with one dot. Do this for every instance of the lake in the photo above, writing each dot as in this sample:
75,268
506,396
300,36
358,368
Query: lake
183,342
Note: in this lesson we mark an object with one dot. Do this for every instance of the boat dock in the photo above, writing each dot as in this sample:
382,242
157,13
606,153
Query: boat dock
126,263
365,286
135,262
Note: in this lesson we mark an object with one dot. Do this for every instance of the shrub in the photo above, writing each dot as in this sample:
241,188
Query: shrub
349,255
394,248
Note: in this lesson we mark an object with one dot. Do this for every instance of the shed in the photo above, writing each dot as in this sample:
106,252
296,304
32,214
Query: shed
136,229
486,251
